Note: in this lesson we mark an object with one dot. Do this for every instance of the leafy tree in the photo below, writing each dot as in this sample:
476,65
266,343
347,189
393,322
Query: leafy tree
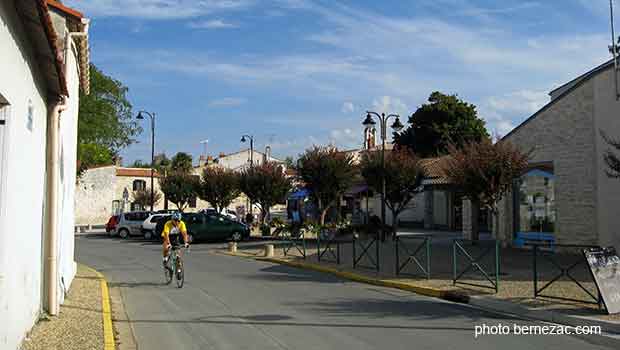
162,163
139,164
289,162
265,184
179,187
92,154
403,178
445,120
105,123
143,197
611,159
181,162
327,173
484,171
219,186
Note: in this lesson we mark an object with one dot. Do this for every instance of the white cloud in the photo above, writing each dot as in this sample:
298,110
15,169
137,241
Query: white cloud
348,107
227,102
390,105
522,101
212,24
156,9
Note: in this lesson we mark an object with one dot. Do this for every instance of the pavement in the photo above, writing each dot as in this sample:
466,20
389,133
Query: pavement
79,324
233,303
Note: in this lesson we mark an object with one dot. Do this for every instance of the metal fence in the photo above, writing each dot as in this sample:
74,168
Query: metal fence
565,269
328,247
296,244
365,246
474,253
417,252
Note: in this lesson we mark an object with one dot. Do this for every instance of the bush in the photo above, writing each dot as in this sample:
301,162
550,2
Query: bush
265,230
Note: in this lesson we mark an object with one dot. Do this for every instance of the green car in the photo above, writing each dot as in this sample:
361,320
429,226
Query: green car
210,227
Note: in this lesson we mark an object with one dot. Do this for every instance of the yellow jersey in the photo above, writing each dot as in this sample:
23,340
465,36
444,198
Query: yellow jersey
171,229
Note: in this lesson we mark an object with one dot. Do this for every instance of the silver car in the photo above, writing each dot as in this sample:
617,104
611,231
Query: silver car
130,223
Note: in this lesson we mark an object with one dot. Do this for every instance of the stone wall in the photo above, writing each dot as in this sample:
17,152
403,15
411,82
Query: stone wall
94,193
563,133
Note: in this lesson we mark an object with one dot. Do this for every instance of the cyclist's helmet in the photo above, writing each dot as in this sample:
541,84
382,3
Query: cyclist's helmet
176,216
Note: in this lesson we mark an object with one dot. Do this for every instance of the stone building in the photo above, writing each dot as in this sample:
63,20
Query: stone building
566,191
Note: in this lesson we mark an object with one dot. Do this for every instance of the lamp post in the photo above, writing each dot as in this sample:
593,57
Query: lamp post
396,126
152,116
244,138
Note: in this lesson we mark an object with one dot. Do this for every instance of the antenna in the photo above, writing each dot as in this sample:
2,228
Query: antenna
613,48
204,143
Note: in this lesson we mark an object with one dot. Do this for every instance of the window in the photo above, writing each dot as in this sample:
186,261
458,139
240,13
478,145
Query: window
116,207
136,207
535,202
139,185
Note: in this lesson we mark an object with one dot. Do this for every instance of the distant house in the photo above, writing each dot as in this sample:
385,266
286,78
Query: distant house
566,192
44,63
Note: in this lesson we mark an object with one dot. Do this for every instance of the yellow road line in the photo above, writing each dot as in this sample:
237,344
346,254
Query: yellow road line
108,333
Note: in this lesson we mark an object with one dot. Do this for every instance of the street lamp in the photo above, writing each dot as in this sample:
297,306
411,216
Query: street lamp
152,116
243,139
396,126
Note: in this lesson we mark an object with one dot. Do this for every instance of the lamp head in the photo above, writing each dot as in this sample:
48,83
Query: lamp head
140,116
242,138
397,126
368,122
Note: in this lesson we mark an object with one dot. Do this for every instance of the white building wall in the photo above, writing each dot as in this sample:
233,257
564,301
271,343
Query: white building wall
22,185
95,191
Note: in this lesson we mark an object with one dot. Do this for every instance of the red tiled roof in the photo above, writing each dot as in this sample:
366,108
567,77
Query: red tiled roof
57,5
52,38
434,170
135,172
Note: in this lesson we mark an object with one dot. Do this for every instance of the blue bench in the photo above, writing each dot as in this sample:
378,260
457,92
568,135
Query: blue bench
523,239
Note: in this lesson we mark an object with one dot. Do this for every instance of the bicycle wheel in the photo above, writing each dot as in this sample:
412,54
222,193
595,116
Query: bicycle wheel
179,272
168,272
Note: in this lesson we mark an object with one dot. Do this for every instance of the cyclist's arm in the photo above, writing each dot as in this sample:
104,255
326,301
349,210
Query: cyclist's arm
165,234
183,230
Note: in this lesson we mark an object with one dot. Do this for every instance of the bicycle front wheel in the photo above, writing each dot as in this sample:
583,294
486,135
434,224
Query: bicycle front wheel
179,272
168,271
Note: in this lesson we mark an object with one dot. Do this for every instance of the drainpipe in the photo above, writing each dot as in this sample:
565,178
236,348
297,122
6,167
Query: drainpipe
51,219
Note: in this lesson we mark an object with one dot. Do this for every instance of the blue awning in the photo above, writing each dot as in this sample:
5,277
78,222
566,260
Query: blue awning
299,194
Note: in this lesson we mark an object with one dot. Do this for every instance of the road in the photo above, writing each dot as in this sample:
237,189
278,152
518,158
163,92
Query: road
234,303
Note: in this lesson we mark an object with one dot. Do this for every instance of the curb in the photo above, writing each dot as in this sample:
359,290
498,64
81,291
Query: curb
108,333
487,303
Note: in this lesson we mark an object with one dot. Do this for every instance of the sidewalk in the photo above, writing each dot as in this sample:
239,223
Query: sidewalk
79,324
515,294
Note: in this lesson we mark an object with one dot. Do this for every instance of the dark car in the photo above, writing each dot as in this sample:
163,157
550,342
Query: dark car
110,226
209,227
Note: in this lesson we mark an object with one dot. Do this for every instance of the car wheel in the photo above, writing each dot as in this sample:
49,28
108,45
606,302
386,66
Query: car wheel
123,233
236,236
148,235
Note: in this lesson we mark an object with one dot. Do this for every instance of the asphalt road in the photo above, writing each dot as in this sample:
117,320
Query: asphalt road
234,303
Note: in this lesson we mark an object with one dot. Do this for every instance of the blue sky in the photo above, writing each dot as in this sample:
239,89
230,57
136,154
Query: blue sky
299,72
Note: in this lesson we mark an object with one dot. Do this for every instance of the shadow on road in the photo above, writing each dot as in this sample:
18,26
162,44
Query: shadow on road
136,284
280,273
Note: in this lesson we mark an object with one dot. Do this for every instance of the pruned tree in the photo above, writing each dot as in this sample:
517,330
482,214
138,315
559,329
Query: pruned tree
143,197
444,120
181,162
180,188
219,186
485,172
403,178
265,184
327,173
611,159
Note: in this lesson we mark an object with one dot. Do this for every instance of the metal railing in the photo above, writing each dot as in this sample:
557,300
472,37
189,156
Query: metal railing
325,247
422,246
565,270
298,243
474,262
365,247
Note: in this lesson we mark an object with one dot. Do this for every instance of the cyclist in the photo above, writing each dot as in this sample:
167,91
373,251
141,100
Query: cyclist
173,227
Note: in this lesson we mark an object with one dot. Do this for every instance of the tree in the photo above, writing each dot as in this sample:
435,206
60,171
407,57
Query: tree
143,197
219,186
611,160
181,162
327,173
139,164
179,187
403,178
162,163
485,172
265,184
445,120
105,123
289,162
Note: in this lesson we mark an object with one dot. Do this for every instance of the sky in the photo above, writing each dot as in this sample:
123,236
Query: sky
295,73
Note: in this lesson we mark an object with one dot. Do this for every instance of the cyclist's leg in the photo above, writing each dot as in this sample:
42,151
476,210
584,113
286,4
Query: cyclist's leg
165,249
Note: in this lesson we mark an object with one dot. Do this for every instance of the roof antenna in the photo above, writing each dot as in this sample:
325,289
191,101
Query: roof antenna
613,48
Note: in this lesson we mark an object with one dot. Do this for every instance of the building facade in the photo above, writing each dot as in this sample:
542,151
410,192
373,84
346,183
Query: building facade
43,66
566,191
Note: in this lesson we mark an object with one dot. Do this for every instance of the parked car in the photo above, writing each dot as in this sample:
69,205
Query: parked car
130,223
110,226
149,225
231,214
208,227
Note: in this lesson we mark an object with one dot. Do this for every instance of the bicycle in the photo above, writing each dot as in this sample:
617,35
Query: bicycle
175,260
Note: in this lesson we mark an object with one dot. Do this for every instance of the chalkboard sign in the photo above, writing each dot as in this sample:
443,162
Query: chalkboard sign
605,267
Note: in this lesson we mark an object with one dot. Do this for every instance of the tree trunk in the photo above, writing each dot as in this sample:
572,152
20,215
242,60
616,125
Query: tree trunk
475,216
394,223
